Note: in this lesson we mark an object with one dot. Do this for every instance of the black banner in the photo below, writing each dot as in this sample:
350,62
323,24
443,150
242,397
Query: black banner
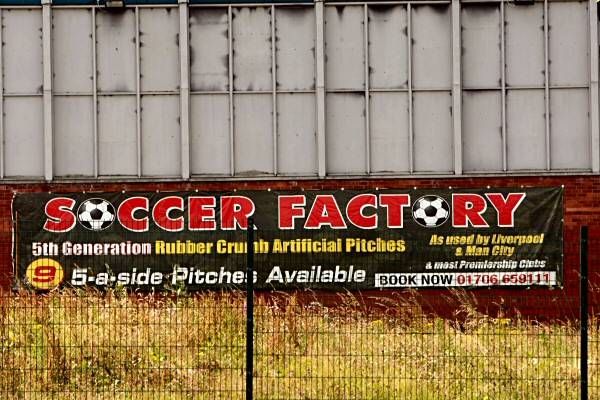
334,240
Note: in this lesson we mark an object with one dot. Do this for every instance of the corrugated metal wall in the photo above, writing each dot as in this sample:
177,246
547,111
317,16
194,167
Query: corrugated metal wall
394,88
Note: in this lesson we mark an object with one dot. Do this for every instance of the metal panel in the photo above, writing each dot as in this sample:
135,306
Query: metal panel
296,134
252,48
481,45
570,134
116,51
161,139
524,44
525,130
344,47
22,50
72,50
405,126
209,64
432,55
23,137
253,134
388,58
389,132
568,43
117,137
159,49
209,136
295,48
345,133
73,136
434,149
482,131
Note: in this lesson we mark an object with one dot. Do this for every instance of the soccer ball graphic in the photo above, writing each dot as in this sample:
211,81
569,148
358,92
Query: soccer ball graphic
430,211
96,214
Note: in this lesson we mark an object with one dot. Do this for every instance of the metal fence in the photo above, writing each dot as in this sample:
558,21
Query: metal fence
240,344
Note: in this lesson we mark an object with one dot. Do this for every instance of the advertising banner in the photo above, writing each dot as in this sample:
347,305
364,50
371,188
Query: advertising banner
332,240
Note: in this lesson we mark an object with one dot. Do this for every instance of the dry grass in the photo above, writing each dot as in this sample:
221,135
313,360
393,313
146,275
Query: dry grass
82,345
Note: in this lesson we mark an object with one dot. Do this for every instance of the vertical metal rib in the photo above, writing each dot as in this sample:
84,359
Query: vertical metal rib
367,90
138,93
456,87
547,85
320,86
274,87
593,91
230,61
95,95
47,88
411,146
503,84
184,88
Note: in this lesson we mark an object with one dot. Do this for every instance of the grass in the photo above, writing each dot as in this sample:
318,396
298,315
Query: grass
85,345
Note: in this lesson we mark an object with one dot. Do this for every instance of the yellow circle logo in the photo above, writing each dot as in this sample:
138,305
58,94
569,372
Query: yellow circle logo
44,273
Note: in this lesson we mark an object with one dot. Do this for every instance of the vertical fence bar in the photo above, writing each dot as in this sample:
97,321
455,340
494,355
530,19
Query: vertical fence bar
584,312
250,310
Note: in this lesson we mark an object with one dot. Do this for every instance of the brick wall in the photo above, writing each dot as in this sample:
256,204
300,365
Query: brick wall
581,206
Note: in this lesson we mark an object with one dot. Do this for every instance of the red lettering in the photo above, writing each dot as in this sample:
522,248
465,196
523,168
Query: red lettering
201,212
395,204
127,210
506,207
290,208
44,274
325,211
235,211
355,211
162,210
467,208
60,215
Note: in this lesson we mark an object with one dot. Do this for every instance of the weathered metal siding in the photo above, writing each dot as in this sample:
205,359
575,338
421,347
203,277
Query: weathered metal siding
306,89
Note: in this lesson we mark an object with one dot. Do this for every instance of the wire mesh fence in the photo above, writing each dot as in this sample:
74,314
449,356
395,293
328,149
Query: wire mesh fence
74,345
351,352
181,340
84,344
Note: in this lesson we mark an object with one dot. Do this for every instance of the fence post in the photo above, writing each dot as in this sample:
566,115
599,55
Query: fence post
584,311
250,310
